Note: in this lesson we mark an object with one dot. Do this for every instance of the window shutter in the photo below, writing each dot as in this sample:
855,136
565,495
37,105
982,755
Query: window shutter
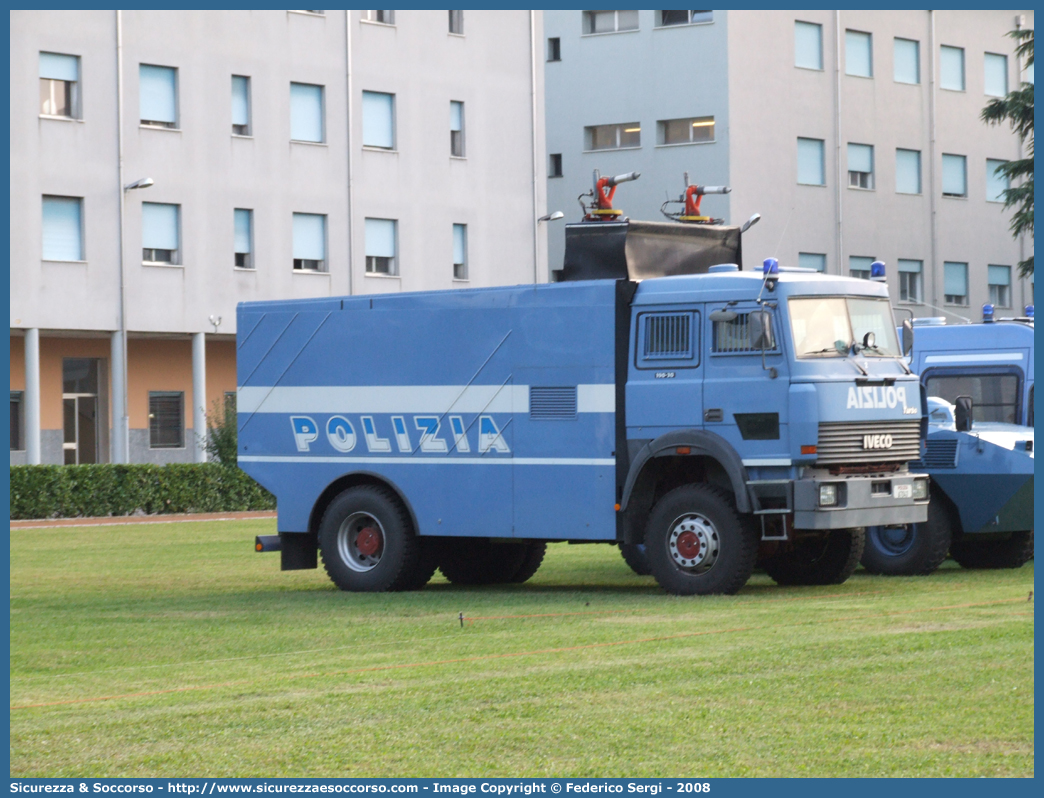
955,279
908,171
380,238
157,94
860,158
240,103
810,162
59,67
456,115
996,183
812,260
858,60
306,112
951,68
61,229
808,45
911,266
996,74
309,236
242,230
378,120
159,226
459,238
907,61
999,275
954,176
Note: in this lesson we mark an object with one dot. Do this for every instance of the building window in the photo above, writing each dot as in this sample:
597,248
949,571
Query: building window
996,181
240,105
808,45
456,128
610,21
456,22
166,419
17,425
860,166
859,267
378,111
383,17
306,112
309,242
951,68
812,260
911,287
158,96
554,49
613,137
954,176
907,60
859,59
908,171
460,252
244,238
694,130
160,233
60,85
62,228
666,19
554,168
996,67
955,283
810,168
381,235
1000,285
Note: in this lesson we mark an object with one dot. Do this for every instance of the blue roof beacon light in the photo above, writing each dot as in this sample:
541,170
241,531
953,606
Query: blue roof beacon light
987,313
877,272
770,268
1029,311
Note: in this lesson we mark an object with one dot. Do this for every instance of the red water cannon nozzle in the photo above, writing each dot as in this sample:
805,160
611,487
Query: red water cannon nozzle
690,200
602,193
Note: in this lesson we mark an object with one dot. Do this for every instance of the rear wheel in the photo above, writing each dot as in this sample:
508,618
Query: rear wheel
1014,552
480,561
697,543
910,549
367,542
818,560
634,555
530,562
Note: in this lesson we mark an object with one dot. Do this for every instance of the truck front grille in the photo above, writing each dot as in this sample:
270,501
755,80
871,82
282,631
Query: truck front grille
854,442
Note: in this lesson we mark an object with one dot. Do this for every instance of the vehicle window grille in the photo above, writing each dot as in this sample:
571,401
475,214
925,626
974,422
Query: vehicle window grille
734,336
547,403
668,335
938,454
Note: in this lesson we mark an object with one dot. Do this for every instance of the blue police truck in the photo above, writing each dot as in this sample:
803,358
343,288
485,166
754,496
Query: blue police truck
722,419
979,450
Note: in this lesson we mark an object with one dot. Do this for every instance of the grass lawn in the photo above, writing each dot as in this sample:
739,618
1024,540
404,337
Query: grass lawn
175,650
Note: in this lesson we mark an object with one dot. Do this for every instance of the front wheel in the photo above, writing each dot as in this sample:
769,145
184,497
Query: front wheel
818,560
697,543
910,549
636,558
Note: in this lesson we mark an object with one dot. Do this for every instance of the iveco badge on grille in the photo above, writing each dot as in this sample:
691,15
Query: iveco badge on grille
877,441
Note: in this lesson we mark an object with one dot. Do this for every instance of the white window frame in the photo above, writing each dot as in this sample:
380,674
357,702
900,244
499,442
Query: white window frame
959,300
249,127
372,263
175,254
620,129
458,145
860,261
860,179
378,17
249,260
322,266
462,274
911,283
1000,293
693,122
691,19
587,20
75,111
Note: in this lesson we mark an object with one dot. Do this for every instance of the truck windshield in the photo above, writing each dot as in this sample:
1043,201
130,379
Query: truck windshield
828,326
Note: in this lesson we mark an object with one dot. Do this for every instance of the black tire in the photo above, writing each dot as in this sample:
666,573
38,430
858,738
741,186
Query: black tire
634,555
346,545
530,562
818,560
1014,552
697,543
480,561
911,549
427,564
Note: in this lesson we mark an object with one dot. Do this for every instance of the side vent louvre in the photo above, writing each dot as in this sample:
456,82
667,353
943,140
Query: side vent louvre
551,403
668,336
939,454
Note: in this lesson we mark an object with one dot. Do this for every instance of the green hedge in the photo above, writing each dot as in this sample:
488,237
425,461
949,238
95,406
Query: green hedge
96,490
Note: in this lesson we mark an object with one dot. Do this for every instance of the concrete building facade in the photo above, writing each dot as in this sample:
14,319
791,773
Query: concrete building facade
855,134
168,165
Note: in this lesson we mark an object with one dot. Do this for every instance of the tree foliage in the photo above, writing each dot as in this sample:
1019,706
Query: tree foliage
222,441
1016,108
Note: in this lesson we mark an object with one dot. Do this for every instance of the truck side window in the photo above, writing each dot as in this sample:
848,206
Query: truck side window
995,397
668,339
735,336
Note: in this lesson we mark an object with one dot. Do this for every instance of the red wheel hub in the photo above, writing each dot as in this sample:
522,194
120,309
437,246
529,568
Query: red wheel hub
368,542
688,545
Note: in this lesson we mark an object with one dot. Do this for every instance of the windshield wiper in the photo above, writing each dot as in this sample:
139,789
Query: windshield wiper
823,351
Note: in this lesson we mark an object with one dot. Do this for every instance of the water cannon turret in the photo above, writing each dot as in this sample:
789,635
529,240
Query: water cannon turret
602,192
690,200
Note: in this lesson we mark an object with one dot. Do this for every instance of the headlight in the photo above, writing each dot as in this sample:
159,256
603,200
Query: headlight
827,495
920,489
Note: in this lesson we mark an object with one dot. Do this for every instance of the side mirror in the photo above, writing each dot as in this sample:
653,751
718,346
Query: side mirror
723,314
907,337
761,330
963,413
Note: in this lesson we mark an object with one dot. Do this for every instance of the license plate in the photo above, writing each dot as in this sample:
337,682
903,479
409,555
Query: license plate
902,492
